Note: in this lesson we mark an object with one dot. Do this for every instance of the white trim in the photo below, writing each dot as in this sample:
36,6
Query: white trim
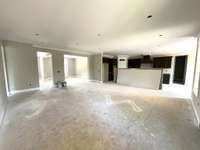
95,81
22,91
196,114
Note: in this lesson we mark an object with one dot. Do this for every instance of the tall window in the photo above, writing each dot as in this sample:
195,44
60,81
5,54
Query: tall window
197,71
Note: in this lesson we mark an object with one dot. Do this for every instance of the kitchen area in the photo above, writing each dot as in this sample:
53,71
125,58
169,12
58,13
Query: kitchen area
168,73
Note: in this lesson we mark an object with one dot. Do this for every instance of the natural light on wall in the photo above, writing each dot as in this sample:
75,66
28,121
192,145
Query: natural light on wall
197,71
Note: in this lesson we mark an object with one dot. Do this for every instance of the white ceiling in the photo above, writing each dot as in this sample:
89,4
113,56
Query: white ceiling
111,26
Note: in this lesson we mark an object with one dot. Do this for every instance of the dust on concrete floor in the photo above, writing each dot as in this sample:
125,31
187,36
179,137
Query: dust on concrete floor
94,116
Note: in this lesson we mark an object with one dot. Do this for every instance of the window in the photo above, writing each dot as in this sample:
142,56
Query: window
197,71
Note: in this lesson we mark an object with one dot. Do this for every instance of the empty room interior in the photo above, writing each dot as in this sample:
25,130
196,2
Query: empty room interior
100,75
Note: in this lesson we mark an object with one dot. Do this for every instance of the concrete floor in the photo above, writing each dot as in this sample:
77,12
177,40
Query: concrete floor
94,116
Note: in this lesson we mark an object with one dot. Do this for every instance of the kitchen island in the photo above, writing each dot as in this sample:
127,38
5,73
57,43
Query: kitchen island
141,78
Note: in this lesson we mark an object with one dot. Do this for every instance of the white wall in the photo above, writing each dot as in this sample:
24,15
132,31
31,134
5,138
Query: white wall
196,97
22,65
3,94
186,89
97,67
22,69
122,64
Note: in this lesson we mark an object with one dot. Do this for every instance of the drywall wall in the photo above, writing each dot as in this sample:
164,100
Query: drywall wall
186,89
48,68
97,68
91,67
58,66
141,78
196,94
22,66
3,95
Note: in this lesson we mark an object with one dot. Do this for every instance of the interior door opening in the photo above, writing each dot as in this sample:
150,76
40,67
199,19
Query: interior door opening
45,69
76,67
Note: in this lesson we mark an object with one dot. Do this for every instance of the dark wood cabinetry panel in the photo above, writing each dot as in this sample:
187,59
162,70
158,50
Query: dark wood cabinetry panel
162,62
134,63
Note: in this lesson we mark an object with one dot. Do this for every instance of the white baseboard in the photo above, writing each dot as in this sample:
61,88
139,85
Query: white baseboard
22,91
96,81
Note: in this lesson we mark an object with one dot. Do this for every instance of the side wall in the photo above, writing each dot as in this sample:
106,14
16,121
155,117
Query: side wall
97,68
3,95
186,89
22,65
58,66
196,99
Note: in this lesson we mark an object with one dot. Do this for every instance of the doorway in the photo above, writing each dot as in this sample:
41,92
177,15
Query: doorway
109,69
45,69
76,67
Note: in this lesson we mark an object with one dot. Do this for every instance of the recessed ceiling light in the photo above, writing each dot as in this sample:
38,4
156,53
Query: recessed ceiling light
98,34
150,16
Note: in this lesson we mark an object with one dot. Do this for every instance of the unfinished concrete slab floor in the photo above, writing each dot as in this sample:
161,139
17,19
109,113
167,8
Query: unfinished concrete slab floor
94,116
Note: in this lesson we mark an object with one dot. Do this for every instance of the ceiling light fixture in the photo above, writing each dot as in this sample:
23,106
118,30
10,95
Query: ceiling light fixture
99,34
37,34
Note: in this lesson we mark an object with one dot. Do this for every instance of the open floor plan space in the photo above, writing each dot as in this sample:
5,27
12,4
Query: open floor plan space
100,75
94,116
